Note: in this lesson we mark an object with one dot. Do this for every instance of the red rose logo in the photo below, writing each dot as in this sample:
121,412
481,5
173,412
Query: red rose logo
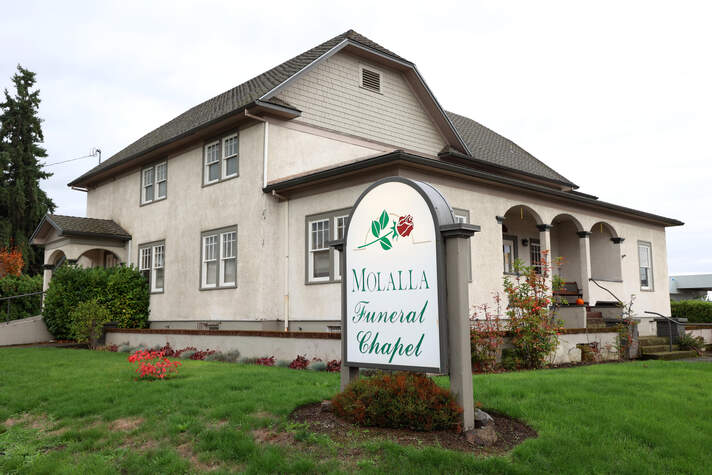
405,225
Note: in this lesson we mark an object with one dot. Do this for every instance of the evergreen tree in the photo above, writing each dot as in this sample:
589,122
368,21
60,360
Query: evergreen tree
22,202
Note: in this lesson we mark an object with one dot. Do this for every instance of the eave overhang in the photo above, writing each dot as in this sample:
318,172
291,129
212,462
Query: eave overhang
297,183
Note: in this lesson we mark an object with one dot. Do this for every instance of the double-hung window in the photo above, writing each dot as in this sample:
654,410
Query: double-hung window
221,159
154,183
151,264
645,258
463,216
323,262
535,254
219,258
509,253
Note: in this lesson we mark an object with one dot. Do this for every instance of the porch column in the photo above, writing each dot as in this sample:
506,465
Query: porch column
545,245
585,253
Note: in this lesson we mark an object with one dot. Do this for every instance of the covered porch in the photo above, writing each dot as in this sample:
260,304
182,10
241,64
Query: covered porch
587,260
87,242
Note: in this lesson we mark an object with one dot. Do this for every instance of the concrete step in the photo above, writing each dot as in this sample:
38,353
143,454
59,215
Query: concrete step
653,340
671,355
646,350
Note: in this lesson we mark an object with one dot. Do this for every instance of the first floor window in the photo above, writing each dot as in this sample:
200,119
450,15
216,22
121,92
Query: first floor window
151,264
219,258
509,253
324,262
535,254
646,265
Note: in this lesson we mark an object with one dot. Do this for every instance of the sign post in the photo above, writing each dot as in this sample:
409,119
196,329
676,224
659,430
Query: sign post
404,286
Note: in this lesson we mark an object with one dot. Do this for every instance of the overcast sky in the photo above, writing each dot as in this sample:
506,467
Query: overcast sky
616,96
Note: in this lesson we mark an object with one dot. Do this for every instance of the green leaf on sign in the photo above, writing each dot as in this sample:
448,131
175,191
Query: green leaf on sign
386,243
383,220
375,228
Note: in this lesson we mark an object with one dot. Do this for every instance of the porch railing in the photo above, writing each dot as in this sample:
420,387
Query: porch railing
670,321
24,305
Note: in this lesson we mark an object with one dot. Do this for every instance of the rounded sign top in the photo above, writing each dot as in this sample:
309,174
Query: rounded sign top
393,280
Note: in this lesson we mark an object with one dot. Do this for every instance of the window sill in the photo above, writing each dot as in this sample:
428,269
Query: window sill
153,292
221,180
321,282
224,287
146,203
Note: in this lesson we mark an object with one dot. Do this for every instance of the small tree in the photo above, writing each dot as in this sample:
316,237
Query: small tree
87,322
531,315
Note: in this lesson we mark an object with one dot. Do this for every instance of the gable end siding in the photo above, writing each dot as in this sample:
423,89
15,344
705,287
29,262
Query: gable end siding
330,96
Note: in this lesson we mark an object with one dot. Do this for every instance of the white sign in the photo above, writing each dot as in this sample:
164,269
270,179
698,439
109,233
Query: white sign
392,302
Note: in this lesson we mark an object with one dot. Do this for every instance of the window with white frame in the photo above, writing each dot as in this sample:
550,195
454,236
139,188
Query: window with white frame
645,258
221,159
339,230
230,156
219,258
509,253
151,264
323,262
535,254
463,216
154,183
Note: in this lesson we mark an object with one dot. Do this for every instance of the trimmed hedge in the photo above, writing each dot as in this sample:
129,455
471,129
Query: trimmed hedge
122,290
22,307
696,311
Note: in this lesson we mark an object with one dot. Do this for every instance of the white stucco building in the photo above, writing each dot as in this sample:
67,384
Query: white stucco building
228,207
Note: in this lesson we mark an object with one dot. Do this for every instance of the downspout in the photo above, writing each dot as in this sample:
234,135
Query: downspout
281,198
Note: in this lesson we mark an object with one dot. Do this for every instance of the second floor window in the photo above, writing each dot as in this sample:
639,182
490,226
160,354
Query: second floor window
645,258
154,183
221,159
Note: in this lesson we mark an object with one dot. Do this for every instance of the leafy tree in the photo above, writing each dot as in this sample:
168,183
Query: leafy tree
22,202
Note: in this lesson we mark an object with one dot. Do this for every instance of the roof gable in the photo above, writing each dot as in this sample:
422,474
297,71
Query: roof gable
77,226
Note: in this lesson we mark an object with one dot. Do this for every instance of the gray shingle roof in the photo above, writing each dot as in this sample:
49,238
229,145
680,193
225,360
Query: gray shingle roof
229,101
73,225
489,146
484,144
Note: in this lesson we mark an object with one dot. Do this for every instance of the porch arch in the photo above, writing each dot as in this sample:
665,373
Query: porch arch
605,253
520,237
565,249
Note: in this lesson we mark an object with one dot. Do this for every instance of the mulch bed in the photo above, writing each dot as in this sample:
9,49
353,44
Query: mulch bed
510,432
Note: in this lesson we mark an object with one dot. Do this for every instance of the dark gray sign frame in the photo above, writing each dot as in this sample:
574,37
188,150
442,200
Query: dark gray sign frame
442,214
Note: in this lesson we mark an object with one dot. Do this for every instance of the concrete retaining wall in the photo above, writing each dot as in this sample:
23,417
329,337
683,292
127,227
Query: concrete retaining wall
24,331
326,346
705,333
281,345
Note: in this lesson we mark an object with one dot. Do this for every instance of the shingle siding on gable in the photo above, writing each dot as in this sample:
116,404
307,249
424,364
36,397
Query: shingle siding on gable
330,96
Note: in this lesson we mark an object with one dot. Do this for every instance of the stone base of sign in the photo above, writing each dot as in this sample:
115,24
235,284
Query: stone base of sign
483,437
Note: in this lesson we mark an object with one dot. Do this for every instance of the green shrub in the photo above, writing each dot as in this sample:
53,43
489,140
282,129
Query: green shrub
22,307
689,342
696,311
87,322
318,366
401,400
123,291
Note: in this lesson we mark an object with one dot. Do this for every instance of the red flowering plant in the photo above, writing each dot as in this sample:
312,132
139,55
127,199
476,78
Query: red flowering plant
153,365
530,311
11,261
487,331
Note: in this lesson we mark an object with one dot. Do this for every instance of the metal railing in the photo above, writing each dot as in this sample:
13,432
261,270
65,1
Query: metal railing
7,301
670,321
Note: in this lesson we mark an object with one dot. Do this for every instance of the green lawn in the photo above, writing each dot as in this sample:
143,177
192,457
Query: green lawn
75,411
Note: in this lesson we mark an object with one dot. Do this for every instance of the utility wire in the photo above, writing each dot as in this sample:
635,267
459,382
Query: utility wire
70,160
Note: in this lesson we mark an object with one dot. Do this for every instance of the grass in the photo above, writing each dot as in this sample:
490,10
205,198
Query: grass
75,411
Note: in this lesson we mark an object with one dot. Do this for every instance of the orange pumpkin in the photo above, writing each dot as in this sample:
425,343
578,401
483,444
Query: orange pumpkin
579,301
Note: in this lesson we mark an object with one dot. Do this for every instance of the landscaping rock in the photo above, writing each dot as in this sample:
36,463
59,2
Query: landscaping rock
326,406
484,437
482,419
